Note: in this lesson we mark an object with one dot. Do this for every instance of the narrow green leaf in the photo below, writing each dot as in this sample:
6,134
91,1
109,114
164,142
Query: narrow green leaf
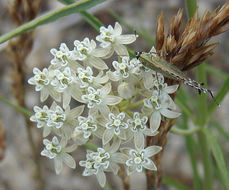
219,97
181,100
192,150
50,17
67,2
218,156
216,72
191,6
173,183
92,20
220,129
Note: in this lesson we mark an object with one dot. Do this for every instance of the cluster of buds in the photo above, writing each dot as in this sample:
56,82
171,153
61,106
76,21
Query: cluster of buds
125,103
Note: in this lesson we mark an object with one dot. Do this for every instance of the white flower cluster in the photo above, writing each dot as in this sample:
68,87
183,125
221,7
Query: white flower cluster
122,104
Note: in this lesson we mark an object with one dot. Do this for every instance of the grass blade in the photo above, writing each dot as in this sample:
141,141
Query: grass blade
172,183
50,17
218,156
192,149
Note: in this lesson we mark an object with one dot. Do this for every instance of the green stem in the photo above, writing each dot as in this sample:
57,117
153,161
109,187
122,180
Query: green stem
190,145
50,17
17,107
191,6
134,105
185,131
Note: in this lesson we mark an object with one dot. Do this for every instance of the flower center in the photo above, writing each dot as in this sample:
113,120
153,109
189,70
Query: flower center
137,160
117,122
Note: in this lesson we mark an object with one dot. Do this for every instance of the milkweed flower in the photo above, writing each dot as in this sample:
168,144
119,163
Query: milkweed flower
114,39
120,103
59,152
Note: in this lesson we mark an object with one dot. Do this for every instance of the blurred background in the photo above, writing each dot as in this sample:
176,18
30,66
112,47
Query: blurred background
17,167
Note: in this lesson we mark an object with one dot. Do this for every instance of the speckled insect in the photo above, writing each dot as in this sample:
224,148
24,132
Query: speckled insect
157,64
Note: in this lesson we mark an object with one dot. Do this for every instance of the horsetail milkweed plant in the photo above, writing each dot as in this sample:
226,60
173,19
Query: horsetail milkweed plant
124,103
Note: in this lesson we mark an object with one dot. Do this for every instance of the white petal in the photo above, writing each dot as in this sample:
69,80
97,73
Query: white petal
152,150
71,148
122,135
150,165
77,94
112,76
139,140
121,50
107,136
69,161
101,178
155,121
97,63
171,89
119,158
126,38
112,100
75,112
104,110
126,90
114,146
169,114
66,99
117,29
101,80
114,167
106,89
148,132
100,52
58,165
44,94
46,131
55,95
99,132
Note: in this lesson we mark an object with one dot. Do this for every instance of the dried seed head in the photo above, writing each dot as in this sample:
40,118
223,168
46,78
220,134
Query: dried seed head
188,48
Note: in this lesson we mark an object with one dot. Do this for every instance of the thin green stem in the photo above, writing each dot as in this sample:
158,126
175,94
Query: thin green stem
185,131
190,145
50,17
134,105
191,6
16,107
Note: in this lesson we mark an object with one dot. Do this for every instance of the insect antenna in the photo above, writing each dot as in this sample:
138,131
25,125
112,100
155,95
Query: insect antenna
200,88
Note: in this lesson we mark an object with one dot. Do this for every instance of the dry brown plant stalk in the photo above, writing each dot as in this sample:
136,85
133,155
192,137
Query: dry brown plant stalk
185,49
18,49
2,141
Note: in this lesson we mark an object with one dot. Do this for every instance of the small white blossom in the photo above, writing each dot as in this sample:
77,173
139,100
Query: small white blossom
86,51
138,125
62,56
140,158
96,163
63,79
57,117
41,116
86,126
112,38
159,104
59,152
115,126
40,79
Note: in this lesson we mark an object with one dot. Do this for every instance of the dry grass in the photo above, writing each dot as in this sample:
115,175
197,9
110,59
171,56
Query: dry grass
185,49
